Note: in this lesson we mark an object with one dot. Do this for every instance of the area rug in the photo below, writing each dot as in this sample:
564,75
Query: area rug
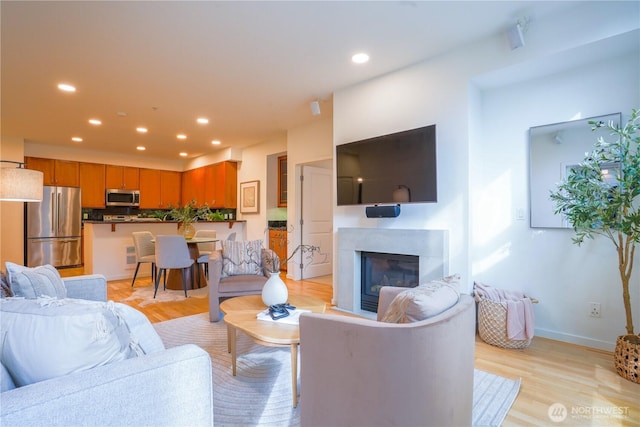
145,294
260,394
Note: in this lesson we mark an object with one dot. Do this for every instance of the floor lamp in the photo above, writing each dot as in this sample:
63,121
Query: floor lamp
18,184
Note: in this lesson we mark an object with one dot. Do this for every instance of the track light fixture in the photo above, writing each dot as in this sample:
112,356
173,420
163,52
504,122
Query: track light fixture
516,32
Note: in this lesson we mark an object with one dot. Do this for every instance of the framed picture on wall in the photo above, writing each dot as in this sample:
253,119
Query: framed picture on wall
250,197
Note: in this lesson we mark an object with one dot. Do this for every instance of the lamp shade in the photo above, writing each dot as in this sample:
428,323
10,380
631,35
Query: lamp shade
20,185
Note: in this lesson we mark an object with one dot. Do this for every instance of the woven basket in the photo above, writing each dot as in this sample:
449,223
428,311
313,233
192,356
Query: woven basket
492,325
627,357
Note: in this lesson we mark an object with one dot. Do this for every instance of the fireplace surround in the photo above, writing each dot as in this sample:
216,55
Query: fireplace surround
431,246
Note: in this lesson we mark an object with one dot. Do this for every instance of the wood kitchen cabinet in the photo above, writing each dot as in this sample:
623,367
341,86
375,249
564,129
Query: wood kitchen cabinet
216,185
226,185
159,189
193,186
170,186
92,183
278,243
209,178
122,177
63,173
282,181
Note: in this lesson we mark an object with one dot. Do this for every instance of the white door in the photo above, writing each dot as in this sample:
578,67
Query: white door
317,221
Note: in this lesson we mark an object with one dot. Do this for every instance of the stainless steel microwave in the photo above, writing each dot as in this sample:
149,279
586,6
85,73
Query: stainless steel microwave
117,197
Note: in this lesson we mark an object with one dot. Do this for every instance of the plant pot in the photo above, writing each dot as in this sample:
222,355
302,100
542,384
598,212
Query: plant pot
627,357
274,290
187,230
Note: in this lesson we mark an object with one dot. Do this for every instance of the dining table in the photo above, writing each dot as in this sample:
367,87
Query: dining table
174,277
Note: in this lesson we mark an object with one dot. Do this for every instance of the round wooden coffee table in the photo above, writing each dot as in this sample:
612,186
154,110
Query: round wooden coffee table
240,314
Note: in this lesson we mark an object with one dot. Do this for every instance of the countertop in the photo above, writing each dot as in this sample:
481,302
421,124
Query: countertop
277,225
152,221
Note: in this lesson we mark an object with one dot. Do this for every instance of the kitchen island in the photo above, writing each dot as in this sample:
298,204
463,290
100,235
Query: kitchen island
109,250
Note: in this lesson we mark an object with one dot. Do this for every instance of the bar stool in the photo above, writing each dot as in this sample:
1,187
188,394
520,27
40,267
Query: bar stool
172,252
205,250
145,252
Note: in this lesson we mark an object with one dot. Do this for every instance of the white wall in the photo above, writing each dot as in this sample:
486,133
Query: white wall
254,167
428,93
544,263
482,158
309,144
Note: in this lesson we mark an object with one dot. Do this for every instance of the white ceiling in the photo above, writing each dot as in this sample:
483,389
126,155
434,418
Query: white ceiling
252,68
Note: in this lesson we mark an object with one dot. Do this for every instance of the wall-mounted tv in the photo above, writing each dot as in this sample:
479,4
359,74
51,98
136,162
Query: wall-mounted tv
394,168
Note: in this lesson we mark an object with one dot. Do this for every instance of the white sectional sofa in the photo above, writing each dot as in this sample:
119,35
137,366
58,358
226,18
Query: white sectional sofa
166,387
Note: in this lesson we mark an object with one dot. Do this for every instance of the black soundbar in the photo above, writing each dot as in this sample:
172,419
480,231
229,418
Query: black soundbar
390,211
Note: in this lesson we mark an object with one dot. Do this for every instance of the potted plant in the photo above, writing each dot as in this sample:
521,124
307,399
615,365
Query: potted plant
601,197
187,215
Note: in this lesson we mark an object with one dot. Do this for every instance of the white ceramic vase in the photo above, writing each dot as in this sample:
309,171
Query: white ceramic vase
274,290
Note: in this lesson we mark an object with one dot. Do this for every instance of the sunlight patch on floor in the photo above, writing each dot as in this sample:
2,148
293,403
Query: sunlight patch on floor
326,280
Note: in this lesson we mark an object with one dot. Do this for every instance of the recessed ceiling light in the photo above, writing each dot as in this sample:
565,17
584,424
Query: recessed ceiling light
76,139
66,87
142,130
95,122
181,136
216,142
360,58
183,154
202,120
141,148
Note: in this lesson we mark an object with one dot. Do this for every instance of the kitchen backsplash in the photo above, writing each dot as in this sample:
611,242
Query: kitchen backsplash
98,214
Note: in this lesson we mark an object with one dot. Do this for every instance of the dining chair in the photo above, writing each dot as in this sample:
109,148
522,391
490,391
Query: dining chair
172,252
145,252
205,249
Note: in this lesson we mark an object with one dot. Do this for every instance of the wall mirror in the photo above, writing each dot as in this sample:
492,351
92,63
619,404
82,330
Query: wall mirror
553,150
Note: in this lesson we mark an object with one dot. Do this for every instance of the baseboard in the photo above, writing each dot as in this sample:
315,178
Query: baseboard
575,339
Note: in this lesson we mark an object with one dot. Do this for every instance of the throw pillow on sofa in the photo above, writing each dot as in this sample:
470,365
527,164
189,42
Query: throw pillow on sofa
45,337
241,257
141,331
35,282
423,301
5,290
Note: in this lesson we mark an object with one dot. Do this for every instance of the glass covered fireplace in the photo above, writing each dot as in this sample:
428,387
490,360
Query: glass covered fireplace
381,269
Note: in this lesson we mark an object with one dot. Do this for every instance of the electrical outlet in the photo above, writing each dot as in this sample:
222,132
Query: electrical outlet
594,309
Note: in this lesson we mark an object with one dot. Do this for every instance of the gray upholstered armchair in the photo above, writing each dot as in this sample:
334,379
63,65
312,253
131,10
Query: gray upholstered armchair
355,371
233,286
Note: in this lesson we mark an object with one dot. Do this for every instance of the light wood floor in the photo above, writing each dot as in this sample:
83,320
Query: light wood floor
580,378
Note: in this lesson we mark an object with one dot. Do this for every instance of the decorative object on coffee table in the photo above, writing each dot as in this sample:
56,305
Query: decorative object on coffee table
600,197
274,290
306,251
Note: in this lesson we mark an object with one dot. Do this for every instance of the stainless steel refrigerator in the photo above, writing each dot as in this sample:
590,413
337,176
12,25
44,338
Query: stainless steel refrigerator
54,228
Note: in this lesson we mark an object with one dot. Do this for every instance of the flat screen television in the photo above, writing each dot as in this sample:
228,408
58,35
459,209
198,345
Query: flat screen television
391,169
